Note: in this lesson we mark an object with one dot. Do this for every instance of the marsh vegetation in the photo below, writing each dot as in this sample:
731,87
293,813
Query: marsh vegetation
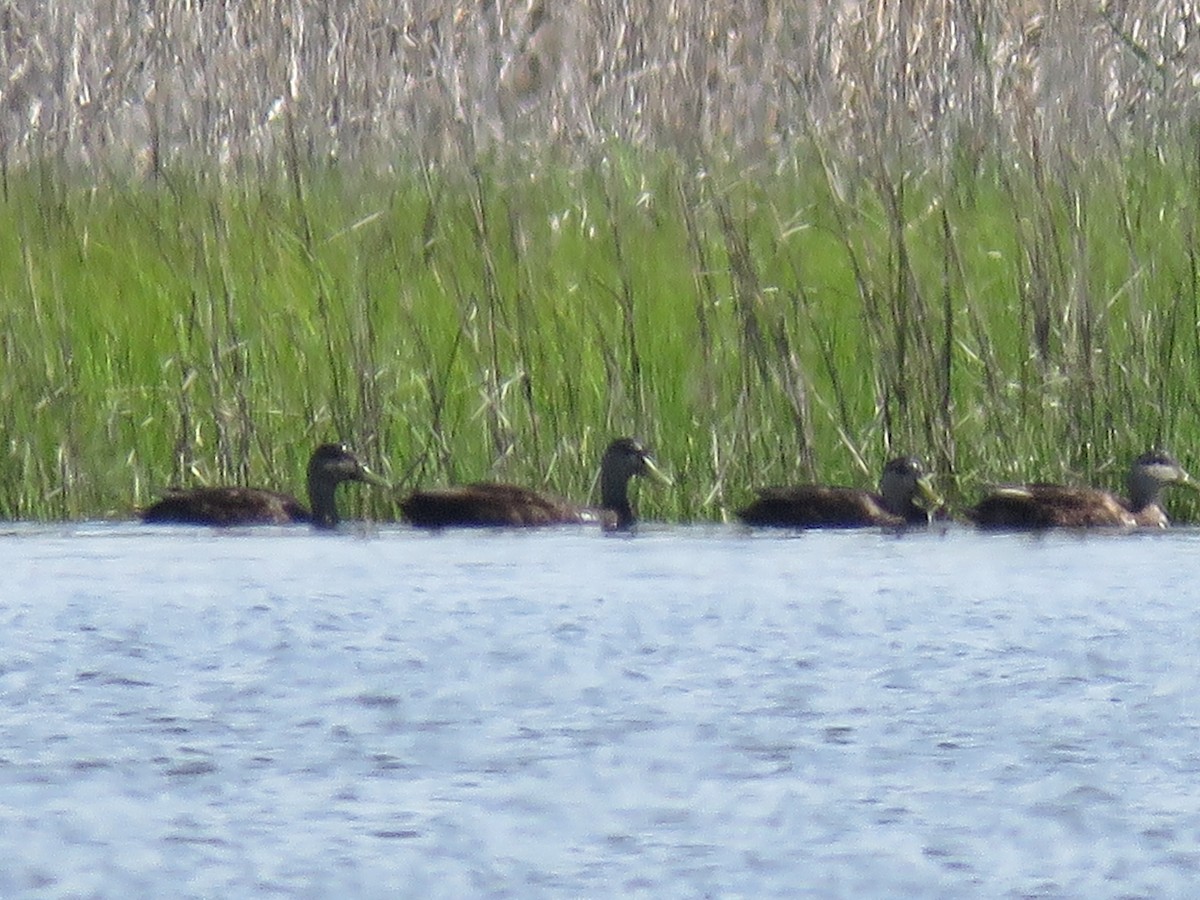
774,243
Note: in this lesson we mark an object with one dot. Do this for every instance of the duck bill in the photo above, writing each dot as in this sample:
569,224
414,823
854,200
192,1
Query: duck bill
652,472
366,476
1187,481
932,500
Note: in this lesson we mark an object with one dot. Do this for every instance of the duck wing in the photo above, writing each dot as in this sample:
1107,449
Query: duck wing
817,506
226,506
1050,506
487,504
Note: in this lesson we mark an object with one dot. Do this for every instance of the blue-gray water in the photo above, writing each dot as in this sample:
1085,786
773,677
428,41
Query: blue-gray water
691,712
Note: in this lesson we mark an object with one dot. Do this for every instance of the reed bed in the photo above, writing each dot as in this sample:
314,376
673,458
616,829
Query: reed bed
777,244
104,83
508,324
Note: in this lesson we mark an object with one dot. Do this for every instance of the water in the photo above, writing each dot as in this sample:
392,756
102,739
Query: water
691,712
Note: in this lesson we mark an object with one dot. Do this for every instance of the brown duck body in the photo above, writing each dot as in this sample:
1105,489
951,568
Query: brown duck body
329,466
490,504
487,504
1034,506
226,506
821,506
1037,506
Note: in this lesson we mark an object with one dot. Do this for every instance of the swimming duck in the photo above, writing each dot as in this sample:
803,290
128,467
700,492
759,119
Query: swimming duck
490,504
329,466
1032,506
822,506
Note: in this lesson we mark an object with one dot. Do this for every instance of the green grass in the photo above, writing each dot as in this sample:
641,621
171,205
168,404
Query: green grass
1004,321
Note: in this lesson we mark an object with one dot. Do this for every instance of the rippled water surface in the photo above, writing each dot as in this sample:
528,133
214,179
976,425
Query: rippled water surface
688,712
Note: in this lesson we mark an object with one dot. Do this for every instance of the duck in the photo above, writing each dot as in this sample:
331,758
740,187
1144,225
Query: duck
904,479
329,466
1040,505
491,504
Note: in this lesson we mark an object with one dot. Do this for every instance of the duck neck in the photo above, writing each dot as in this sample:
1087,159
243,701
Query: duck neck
1143,492
899,503
614,495
321,496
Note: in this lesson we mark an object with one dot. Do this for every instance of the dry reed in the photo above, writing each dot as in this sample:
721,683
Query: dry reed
103,82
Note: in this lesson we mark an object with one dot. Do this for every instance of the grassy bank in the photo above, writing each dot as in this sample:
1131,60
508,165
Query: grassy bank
1002,321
